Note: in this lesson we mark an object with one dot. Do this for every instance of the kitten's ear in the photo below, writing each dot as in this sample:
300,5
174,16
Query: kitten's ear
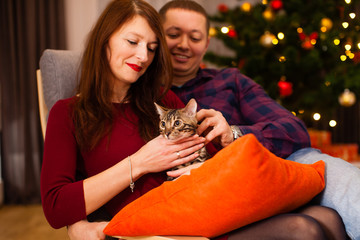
161,110
190,108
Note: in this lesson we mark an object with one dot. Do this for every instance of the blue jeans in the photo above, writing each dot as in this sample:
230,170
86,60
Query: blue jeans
342,191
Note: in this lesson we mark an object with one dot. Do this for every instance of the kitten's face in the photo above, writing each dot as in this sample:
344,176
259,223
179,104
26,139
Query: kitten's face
178,123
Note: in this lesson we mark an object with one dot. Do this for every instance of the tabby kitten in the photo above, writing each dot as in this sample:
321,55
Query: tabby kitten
180,123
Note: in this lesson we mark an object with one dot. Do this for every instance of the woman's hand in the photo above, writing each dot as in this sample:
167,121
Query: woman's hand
183,171
84,230
215,121
160,154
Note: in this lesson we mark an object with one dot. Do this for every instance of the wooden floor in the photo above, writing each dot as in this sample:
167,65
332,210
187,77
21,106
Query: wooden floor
27,222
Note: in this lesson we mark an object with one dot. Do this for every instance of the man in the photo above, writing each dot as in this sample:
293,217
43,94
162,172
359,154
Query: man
242,107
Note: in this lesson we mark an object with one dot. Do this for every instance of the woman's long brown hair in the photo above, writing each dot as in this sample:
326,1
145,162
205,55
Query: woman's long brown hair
93,113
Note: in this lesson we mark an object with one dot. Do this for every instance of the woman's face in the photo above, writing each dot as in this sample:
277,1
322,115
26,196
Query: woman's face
187,40
130,51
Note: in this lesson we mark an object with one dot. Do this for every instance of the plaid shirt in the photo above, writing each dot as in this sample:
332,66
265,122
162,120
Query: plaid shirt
245,103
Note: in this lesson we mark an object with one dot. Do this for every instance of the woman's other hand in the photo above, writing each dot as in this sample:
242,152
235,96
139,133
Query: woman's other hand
215,126
84,230
160,153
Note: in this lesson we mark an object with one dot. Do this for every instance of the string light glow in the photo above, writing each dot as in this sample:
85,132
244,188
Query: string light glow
358,45
280,35
348,1
332,123
351,55
275,41
352,15
336,41
316,116
224,30
347,47
343,58
345,25
282,59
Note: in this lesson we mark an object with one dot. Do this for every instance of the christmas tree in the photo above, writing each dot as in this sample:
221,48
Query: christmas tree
305,53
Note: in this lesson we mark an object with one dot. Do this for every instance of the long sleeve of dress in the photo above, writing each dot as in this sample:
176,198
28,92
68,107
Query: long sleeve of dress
62,196
245,103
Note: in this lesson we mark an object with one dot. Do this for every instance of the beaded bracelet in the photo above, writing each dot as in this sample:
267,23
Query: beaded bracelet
132,184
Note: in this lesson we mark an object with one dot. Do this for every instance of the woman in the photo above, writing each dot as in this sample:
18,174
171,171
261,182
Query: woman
103,134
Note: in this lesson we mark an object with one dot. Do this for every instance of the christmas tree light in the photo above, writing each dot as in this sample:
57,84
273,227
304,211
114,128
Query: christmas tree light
332,123
281,36
316,116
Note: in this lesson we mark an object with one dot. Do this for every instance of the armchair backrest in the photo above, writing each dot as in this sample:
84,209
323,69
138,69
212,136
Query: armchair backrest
59,69
57,79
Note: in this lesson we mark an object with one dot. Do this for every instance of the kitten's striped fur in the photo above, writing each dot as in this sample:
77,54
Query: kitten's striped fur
180,123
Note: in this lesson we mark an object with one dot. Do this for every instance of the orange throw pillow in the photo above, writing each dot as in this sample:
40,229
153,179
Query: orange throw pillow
241,184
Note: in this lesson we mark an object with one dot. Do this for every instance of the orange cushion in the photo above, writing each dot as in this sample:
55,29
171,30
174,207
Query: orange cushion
241,184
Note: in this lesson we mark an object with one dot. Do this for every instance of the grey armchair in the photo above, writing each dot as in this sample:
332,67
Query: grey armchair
56,79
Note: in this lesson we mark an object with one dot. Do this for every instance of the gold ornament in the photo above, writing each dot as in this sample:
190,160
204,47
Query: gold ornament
212,32
326,24
347,98
246,7
267,39
268,14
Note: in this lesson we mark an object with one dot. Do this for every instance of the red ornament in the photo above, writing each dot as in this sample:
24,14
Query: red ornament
241,63
308,41
313,36
202,65
307,44
232,33
223,8
285,88
356,58
302,36
276,5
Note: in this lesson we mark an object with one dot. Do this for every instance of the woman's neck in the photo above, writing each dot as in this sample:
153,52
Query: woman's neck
119,97
119,92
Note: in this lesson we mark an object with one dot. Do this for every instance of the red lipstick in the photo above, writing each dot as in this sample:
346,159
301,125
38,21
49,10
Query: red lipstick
135,67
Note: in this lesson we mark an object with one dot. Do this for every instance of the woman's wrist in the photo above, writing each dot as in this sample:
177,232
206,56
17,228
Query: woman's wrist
132,184
136,168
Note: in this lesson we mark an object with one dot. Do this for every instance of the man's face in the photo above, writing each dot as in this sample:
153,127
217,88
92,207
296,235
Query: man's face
187,40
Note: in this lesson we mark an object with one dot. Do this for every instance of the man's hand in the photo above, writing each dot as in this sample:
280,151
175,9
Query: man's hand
84,230
219,128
